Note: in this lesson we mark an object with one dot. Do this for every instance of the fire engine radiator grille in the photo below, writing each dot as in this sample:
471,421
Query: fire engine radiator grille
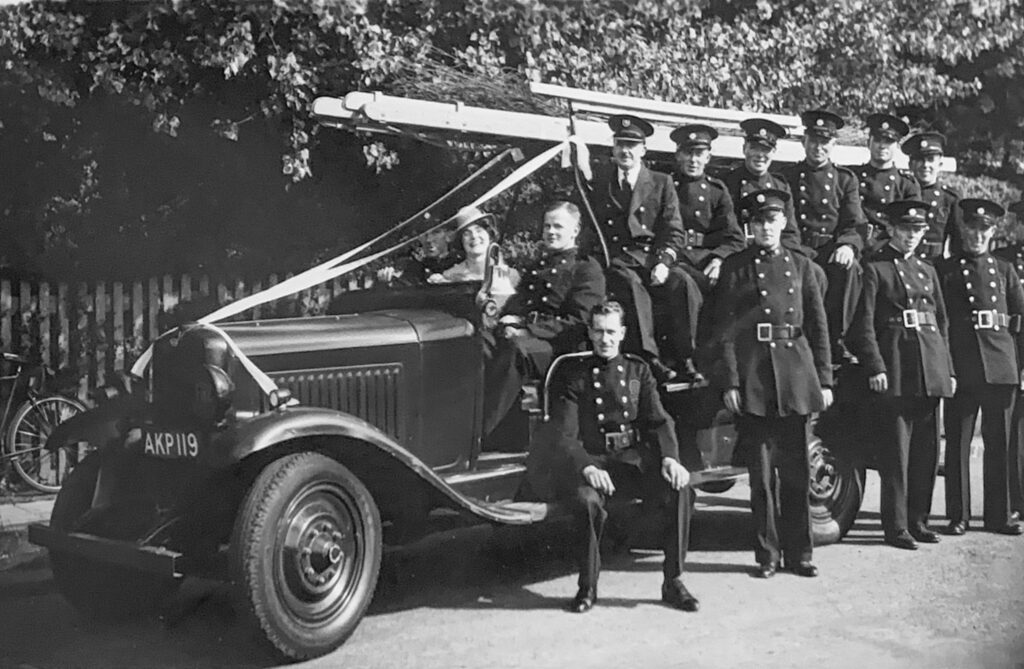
368,391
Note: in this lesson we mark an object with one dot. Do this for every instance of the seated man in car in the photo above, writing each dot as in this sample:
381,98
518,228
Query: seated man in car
545,317
433,255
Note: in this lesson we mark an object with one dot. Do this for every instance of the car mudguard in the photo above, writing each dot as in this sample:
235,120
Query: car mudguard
264,431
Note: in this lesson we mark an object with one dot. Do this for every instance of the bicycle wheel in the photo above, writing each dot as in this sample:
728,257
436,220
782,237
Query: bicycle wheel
26,438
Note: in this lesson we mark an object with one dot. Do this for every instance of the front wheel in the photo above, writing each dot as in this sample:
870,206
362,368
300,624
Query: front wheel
25,444
306,554
837,491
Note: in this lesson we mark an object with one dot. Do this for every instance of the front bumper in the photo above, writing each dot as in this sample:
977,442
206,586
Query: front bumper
150,559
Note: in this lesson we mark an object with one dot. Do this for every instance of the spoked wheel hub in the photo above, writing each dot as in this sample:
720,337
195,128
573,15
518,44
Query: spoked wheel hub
825,481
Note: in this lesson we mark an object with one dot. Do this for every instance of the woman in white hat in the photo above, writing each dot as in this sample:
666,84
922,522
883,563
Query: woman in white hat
477,232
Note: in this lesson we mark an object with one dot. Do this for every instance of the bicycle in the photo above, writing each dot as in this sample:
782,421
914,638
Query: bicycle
25,429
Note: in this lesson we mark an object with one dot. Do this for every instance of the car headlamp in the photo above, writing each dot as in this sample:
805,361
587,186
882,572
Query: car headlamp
211,393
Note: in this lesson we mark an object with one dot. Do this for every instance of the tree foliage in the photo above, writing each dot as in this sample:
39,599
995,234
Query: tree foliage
177,135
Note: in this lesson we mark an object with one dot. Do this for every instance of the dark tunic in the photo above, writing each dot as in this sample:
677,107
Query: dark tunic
776,376
827,206
709,220
916,360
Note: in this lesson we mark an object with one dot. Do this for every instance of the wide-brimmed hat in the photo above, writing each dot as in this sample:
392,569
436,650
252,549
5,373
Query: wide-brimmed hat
470,215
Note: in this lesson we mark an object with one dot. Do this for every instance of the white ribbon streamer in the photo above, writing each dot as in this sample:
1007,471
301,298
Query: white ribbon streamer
337,266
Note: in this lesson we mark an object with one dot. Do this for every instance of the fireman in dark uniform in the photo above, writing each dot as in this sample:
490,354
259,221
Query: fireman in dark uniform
710,231
925,150
881,182
1014,254
547,315
899,334
761,136
639,214
775,371
985,303
615,438
829,216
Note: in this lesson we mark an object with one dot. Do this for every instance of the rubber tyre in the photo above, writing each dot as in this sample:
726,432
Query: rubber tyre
27,433
837,491
98,590
306,554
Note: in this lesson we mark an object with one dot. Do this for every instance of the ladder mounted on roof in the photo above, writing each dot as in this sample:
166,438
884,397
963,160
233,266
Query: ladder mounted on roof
379,113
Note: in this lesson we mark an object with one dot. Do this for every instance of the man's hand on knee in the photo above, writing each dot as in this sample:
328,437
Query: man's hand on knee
599,479
675,473
844,255
659,274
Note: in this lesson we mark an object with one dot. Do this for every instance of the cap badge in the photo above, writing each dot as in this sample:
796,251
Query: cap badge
760,198
981,210
924,143
912,212
820,121
625,123
762,132
693,135
885,125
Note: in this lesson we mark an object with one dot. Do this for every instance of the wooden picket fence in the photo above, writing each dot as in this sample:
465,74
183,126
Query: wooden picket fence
92,330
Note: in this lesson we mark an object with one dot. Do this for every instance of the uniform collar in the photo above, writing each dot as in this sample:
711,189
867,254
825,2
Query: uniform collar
898,253
548,256
598,361
827,165
632,176
691,180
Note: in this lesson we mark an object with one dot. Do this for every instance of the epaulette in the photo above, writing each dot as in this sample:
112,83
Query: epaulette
907,173
950,191
779,176
634,357
715,181
849,171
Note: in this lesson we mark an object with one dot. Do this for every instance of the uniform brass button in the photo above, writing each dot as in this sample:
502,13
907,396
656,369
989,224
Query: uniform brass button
772,344
767,310
600,416
764,293
789,344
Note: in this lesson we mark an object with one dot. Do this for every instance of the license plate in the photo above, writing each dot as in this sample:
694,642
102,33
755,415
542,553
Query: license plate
171,444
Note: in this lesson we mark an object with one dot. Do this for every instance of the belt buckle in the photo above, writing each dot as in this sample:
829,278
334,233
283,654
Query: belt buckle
613,442
764,332
910,318
985,319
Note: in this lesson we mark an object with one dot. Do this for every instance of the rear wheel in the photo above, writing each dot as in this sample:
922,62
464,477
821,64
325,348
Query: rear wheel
837,491
306,554
25,444
95,589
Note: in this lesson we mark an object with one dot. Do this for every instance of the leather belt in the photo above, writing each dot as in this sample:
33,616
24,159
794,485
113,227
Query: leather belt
990,319
769,332
816,239
615,442
693,238
912,318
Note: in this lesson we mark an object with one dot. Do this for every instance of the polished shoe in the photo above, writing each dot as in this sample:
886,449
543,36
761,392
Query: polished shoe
688,372
583,601
766,570
1012,529
1015,516
662,372
803,568
924,535
956,528
675,594
903,540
